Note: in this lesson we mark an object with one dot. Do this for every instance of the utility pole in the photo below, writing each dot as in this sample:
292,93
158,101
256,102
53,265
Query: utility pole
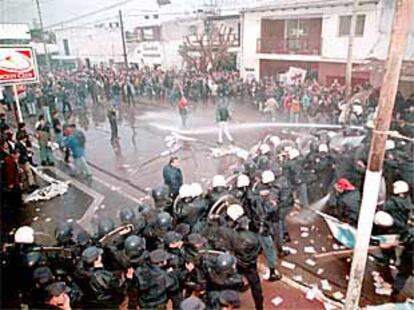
121,22
396,49
348,73
39,12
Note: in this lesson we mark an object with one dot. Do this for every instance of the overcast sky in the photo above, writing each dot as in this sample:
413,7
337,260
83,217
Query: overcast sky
55,11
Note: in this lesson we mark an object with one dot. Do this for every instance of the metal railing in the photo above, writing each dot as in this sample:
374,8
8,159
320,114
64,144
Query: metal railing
303,46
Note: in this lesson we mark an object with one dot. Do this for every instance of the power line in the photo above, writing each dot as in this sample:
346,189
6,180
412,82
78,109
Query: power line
82,16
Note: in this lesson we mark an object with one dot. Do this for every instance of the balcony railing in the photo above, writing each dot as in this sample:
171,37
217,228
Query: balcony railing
303,46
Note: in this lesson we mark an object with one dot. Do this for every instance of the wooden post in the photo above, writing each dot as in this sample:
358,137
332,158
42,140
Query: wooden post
19,114
396,49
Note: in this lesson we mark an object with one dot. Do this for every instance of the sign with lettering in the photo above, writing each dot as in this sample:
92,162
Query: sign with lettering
17,65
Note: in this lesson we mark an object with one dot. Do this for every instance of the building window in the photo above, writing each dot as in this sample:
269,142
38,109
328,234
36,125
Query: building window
345,25
297,30
66,47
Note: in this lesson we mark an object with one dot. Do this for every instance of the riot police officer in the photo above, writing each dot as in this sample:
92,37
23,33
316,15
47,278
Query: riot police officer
218,189
221,274
246,247
102,288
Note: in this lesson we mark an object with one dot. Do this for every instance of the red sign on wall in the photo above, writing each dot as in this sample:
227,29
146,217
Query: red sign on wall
17,65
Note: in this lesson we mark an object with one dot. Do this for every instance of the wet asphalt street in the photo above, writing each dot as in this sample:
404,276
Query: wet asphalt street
122,176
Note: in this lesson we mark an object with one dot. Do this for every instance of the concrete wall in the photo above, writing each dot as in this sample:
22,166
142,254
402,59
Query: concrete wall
97,44
336,47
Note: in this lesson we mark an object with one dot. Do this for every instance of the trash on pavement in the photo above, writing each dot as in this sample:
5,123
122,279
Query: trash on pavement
291,250
320,271
277,301
288,265
310,262
304,234
325,285
311,293
309,249
338,295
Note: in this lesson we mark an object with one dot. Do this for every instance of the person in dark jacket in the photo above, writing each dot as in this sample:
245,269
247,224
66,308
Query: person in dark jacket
246,249
103,289
405,269
399,205
347,201
173,177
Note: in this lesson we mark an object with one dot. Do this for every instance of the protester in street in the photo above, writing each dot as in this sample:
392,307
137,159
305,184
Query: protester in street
45,141
112,118
223,117
183,110
75,141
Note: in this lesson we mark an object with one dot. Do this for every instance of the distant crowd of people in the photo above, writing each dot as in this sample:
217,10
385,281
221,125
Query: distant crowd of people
305,101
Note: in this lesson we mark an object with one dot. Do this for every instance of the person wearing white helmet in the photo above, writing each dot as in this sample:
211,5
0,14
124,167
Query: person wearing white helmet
242,181
196,190
264,149
383,219
263,215
399,205
235,212
268,177
274,141
185,191
24,235
295,173
242,192
218,189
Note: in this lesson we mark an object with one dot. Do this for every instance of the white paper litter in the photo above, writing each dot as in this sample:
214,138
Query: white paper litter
309,249
291,250
311,293
48,219
304,234
323,249
56,188
383,291
338,295
320,271
69,220
277,301
329,306
288,265
304,228
335,246
310,262
35,218
325,285
298,278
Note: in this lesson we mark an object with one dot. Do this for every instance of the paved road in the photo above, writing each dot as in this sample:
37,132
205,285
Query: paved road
122,177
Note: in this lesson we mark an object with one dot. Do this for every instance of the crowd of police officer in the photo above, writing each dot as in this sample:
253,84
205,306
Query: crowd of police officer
200,249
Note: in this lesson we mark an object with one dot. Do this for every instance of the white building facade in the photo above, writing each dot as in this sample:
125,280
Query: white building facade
313,35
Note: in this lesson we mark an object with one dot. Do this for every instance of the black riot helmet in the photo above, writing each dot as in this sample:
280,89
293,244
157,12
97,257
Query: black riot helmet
105,226
164,220
142,207
139,224
32,259
161,193
127,216
250,167
134,246
224,262
63,232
